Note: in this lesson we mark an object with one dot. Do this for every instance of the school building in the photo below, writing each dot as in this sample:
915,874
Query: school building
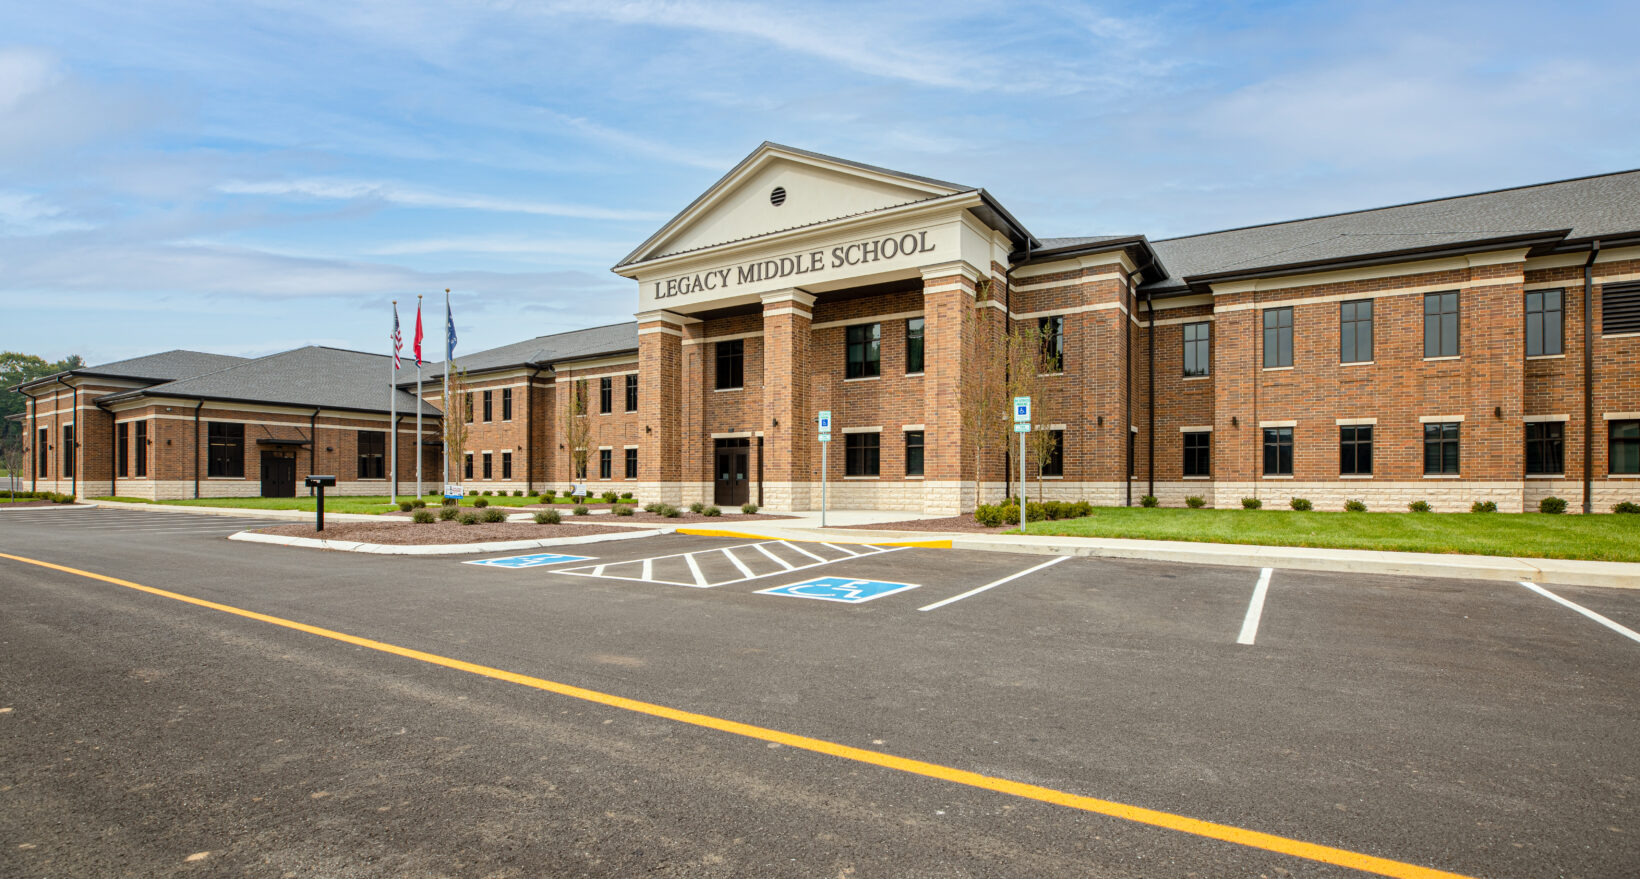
1481,347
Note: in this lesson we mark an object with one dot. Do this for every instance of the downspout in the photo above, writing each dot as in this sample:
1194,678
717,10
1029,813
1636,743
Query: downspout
1588,377
113,451
1007,367
196,448
529,433
73,454
1150,393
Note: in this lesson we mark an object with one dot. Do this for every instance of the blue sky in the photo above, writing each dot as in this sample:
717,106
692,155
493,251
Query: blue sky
249,177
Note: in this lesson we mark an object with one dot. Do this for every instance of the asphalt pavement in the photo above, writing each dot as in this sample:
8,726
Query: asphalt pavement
1476,728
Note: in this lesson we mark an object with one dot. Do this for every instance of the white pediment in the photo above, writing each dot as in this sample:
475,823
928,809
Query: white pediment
813,189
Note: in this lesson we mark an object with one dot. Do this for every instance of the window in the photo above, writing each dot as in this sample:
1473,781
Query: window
124,444
862,451
467,406
581,469
506,404
632,393
1625,447
1545,448
913,453
489,471
1278,337
372,454
1545,322
488,400
731,364
469,465
1355,449
1053,343
1619,309
506,465
1198,453
1278,451
606,463
42,452
225,443
142,448
1441,448
1054,463
1197,351
865,343
1441,324
631,463
606,395
1355,331
914,346
68,451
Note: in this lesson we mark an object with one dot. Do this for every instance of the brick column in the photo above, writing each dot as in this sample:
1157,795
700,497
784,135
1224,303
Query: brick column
660,367
948,343
791,458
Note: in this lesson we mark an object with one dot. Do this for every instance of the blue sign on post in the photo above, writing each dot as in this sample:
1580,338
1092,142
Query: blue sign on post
1022,409
530,561
842,589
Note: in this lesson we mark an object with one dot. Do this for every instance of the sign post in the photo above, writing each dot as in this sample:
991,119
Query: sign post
824,420
1022,426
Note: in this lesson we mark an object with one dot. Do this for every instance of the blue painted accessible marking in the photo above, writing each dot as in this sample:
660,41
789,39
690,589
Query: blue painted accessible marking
845,589
530,561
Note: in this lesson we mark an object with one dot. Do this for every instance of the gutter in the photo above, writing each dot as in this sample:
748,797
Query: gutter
196,448
73,455
1588,377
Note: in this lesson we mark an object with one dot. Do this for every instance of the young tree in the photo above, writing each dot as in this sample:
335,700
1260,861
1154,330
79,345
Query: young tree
577,428
457,414
1041,441
1028,369
983,405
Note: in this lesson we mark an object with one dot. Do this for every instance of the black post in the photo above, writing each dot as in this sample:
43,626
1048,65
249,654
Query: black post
321,508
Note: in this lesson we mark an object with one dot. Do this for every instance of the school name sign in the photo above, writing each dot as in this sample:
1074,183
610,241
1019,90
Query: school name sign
807,265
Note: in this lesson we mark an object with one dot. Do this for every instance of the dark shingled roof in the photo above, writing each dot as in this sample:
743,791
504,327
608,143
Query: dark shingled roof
542,350
166,366
1587,207
332,378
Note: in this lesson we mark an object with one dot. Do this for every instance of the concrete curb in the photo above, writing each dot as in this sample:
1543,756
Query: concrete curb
437,549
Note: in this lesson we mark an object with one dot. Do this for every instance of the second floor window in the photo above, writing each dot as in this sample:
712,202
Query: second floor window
489,408
1053,343
606,395
1278,337
731,364
467,405
1545,325
865,348
1355,331
914,346
632,393
506,404
1441,324
1197,348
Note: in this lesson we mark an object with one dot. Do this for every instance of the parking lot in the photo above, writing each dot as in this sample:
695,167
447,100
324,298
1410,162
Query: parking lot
1480,729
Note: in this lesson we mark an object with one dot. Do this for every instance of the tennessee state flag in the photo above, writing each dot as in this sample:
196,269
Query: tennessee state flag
418,334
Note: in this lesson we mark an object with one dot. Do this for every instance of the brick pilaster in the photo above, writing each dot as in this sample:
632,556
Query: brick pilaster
948,343
791,458
660,368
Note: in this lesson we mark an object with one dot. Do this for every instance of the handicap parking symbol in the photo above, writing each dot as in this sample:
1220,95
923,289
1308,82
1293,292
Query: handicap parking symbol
530,561
844,589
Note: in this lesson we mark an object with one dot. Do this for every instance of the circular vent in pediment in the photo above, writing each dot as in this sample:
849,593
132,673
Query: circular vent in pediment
778,196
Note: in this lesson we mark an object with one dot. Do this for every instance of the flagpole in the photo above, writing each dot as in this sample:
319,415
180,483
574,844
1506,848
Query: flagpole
393,412
446,396
418,395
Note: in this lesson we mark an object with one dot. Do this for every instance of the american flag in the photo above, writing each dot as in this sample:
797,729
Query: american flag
398,340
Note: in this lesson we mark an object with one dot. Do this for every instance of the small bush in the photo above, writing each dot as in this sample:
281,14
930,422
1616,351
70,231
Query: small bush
1419,506
1626,507
1552,505
1083,508
653,508
481,503
489,493
1036,512
495,514
549,494
1251,503
1301,504
547,517
448,513
418,504
611,497
473,493
696,507
406,506
1149,501
988,515
422,517
580,510
711,511
626,495
468,519
1195,502
1355,506
748,509
450,502
518,493
667,511
621,510
1483,507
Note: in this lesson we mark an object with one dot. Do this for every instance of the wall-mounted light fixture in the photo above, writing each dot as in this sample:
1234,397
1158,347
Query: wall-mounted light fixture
330,448
1101,421
648,429
777,422
1497,411
1234,421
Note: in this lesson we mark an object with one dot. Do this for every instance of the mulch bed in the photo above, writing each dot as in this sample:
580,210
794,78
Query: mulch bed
637,516
440,532
953,523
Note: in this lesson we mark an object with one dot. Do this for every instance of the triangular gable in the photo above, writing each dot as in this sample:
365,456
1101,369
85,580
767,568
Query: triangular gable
816,188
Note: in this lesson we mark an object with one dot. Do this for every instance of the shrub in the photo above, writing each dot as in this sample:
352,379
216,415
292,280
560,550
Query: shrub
626,495
406,506
696,507
495,514
1195,502
481,503
1483,507
1301,504
448,513
1148,501
580,510
473,493
422,517
518,493
1552,505
667,511
468,519
547,517
653,508
711,511
1355,506
1036,512
1083,508
1251,503
1419,506
1626,507
489,493
549,494
748,509
611,497
621,510
988,515
450,502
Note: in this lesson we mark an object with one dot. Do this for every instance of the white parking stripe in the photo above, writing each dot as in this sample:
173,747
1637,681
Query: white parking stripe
1255,609
648,569
744,571
795,548
777,559
699,577
840,549
1049,563
694,570
1619,628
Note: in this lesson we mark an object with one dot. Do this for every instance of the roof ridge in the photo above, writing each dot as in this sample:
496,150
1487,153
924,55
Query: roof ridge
1401,205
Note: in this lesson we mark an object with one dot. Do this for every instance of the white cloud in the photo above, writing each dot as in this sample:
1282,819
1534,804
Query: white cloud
411,196
23,214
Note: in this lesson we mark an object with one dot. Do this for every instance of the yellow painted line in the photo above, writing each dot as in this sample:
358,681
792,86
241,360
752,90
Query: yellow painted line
1167,820
747,535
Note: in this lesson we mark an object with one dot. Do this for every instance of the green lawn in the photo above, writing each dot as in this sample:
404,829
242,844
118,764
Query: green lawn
1614,538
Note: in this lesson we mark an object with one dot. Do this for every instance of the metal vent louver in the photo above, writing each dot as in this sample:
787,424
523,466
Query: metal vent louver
1620,309
778,196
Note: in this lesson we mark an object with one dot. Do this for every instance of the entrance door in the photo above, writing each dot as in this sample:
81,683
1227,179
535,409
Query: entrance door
731,487
278,474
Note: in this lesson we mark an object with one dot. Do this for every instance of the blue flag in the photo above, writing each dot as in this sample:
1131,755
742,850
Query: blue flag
449,332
